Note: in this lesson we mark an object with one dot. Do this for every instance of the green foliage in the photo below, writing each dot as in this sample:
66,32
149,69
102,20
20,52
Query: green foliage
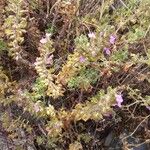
38,91
34,4
85,137
14,26
110,56
84,80
46,74
119,56
148,57
99,105
75,146
82,42
3,46
71,68
137,34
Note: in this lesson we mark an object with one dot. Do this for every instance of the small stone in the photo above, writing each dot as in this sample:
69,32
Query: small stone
109,139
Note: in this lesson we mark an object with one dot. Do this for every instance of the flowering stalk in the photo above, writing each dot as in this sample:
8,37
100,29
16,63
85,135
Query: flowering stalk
97,107
112,39
46,75
14,26
107,50
73,65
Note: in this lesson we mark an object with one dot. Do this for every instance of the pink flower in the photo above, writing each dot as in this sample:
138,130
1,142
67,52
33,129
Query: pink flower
93,53
49,59
92,35
112,39
101,34
82,59
43,40
107,51
119,99
148,107
36,107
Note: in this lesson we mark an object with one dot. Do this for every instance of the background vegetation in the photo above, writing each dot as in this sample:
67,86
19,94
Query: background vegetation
74,71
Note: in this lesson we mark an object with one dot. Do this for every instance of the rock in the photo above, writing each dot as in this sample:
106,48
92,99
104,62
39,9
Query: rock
142,147
109,139
135,141
112,142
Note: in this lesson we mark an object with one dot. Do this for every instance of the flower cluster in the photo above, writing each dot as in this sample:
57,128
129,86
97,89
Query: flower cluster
46,73
119,99
112,40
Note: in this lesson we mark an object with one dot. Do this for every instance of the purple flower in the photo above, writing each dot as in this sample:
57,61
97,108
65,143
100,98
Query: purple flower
92,35
71,49
49,60
148,107
119,99
82,59
109,115
36,107
43,40
101,34
112,39
107,51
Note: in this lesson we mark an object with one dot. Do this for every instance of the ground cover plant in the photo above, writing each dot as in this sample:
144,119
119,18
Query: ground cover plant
74,74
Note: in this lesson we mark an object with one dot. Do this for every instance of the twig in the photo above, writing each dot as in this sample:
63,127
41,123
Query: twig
57,2
136,128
